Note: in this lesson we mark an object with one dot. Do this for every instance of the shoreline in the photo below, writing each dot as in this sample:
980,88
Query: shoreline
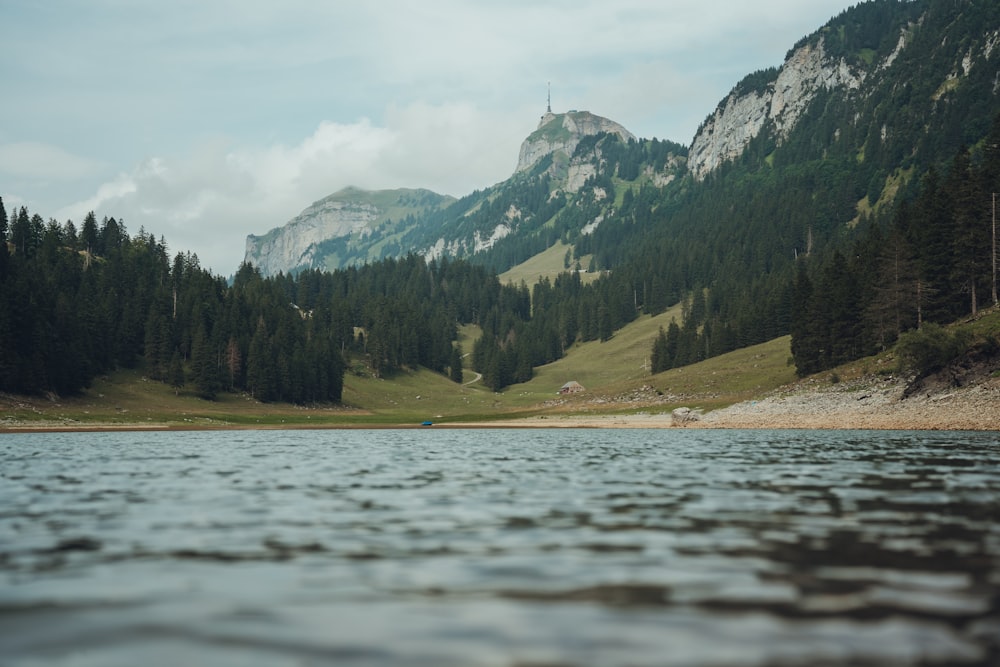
864,404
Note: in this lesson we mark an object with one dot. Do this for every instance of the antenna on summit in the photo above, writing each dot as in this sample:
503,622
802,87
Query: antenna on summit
548,109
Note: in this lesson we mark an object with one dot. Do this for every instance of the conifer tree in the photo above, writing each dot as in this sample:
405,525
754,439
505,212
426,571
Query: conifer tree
659,355
88,233
3,241
971,241
175,375
204,365
808,344
894,300
261,378
455,364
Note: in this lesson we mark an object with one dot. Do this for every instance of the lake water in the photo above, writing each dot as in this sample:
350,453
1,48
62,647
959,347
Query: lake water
500,547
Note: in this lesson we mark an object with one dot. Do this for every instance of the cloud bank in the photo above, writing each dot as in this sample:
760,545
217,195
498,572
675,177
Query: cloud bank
216,195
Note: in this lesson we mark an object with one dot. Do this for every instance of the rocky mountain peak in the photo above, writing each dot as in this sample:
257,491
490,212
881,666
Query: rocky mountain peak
561,132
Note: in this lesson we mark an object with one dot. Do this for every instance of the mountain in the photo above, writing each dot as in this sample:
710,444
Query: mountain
558,135
842,198
885,89
353,226
349,226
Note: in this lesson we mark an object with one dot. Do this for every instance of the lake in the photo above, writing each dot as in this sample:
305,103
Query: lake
500,547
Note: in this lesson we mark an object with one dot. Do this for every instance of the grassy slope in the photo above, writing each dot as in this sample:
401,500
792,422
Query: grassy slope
546,264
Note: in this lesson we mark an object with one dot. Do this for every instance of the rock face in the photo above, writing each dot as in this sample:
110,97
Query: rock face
351,215
743,114
295,244
560,133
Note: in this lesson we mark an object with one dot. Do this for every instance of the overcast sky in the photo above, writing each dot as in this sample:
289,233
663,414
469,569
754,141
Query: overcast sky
207,120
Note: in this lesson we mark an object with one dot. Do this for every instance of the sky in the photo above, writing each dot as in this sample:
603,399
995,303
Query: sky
203,121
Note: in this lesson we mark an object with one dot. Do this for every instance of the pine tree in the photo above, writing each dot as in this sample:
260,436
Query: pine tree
88,233
839,289
455,365
261,378
971,241
175,376
3,242
204,365
894,300
20,234
659,356
808,341
233,361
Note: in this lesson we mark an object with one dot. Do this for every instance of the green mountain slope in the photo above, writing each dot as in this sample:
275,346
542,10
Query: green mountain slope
799,165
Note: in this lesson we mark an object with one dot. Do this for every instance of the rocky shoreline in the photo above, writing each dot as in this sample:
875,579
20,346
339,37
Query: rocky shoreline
866,403
867,406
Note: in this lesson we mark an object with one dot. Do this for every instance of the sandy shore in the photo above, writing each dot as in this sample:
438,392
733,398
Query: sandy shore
862,404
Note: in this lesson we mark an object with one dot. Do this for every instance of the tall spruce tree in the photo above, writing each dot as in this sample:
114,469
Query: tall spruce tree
971,244
3,241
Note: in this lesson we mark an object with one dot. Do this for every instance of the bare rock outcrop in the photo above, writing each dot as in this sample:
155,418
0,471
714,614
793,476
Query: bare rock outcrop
685,416
560,133
295,244
743,114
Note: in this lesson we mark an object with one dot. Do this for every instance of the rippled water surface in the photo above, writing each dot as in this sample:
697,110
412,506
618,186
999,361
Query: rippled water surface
500,547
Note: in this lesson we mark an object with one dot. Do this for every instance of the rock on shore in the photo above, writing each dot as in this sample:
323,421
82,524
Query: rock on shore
867,404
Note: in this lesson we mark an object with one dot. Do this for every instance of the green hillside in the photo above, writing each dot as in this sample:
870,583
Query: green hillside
546,264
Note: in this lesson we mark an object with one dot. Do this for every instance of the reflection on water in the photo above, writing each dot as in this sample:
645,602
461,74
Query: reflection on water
500,547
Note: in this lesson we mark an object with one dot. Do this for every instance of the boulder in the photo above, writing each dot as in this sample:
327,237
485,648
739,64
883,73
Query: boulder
685,416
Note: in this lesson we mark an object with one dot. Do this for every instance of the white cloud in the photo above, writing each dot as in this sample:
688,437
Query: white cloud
208,201
110,192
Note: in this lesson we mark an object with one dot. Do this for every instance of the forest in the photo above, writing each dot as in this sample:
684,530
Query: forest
76,303
933,260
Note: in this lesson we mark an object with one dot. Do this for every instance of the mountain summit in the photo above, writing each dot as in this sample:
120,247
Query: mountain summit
560,133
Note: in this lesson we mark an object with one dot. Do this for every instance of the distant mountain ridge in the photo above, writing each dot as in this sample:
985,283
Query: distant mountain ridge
355,225
885,90
359,218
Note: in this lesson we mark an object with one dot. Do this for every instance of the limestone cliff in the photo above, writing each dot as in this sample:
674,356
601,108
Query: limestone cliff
294,245
743,114
559,134
348,214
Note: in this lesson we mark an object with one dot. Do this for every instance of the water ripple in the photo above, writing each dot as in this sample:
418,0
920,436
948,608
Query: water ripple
500,548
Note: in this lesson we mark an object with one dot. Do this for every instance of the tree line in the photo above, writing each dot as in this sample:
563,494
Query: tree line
931,260
77,303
